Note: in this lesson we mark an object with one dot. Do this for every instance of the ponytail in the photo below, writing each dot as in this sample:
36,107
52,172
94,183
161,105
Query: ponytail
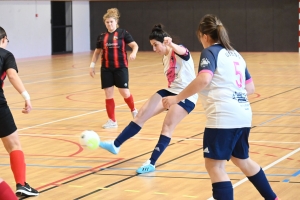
211,25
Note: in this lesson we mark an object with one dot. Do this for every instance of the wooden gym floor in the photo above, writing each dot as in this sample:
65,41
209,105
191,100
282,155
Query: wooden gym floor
67,101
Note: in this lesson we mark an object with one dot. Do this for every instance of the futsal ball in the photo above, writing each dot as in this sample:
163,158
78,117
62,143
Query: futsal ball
90,139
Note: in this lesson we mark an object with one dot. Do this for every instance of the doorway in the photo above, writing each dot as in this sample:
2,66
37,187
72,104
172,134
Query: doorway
61,27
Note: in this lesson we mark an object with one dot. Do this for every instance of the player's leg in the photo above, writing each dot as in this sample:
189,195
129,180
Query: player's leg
5,191
121,77
107,84
240,157
175,114
217,149
152,107
11,142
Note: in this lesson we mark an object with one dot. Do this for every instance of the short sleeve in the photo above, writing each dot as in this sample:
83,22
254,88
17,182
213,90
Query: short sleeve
128,38
99,44
248,76
185,56
208,63
10,62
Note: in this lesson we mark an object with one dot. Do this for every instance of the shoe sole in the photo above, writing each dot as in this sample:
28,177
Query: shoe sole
144,172
24,193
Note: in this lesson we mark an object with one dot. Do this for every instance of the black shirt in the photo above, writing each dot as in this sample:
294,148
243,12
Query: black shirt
7,60
114,48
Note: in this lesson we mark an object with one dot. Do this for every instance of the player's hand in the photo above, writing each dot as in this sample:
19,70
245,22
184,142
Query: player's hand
92,72
169,101
27,108
167,41
132,56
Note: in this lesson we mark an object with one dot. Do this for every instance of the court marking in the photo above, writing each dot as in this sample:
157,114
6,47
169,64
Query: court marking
76,116
265,168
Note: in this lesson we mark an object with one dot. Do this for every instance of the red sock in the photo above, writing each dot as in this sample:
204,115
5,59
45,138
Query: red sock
130,103
18,166
6,193
110,109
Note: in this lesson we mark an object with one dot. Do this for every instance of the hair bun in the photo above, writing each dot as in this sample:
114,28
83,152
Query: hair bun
157,27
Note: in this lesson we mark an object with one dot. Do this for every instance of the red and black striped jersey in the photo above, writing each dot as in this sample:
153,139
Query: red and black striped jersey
7,60
113,45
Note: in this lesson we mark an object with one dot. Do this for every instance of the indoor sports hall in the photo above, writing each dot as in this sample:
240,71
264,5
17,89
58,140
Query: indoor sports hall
53,57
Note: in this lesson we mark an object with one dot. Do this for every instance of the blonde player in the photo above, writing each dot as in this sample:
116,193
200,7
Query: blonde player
111,47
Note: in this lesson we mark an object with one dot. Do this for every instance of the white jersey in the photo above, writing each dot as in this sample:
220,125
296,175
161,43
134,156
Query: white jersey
179,70
225,98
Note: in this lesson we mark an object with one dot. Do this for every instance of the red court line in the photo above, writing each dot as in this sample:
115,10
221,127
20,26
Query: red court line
272,147
73,154
74,175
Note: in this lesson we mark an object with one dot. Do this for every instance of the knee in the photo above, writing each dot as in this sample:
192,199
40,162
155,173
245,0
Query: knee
240,163
11,143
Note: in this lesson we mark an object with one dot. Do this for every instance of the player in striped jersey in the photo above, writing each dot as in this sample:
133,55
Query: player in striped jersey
111,47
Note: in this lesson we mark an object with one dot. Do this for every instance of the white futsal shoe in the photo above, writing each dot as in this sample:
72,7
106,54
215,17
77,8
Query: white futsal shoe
110,124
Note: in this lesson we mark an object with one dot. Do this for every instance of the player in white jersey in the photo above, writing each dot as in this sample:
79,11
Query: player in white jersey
179,71
224,83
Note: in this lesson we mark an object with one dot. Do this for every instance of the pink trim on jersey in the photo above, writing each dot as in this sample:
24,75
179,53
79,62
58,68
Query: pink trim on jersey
206,71
171,71
249,81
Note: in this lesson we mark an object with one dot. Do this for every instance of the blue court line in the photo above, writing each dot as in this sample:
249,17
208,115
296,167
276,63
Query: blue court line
185,171
293,175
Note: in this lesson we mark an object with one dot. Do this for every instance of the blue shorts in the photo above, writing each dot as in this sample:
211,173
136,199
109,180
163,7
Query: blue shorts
186,105
221,144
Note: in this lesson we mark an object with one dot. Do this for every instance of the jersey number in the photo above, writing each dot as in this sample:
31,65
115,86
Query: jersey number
238,73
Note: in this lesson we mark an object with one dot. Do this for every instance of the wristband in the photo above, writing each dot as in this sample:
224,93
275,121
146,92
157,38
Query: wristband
25,95
92,65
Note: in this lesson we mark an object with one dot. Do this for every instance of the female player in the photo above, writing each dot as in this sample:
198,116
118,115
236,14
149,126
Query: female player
8,129
224,83
111,47
179,71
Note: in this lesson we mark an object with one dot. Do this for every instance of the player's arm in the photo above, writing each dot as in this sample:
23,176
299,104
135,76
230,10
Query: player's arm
250,88
134,46
180,50
17,83
96,55
198,84
249,85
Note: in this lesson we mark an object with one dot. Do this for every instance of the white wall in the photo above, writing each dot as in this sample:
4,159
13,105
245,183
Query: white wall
81,26
30,36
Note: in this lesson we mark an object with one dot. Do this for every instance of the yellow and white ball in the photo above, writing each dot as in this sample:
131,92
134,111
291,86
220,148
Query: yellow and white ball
90,139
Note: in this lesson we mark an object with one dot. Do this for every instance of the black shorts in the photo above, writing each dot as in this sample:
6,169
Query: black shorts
114,77
7,122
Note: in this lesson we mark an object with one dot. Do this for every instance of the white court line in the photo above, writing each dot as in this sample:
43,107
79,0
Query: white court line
265,168
76,116
66,77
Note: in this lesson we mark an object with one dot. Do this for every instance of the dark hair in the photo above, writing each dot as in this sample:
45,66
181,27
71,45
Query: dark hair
211,25
158,33
2,33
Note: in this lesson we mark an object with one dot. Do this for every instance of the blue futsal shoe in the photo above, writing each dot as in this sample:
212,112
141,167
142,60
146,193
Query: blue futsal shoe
109,146
146,168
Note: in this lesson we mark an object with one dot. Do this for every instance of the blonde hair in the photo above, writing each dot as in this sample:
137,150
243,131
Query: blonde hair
112,13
